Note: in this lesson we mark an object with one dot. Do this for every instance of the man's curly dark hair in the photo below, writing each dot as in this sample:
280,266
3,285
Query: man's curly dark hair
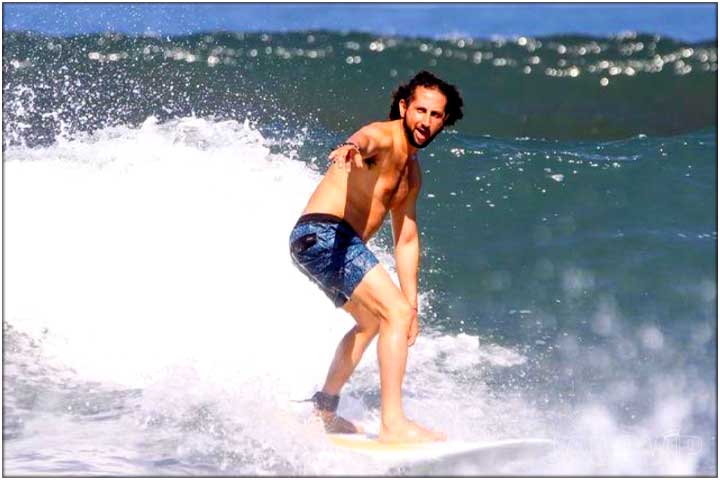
453,109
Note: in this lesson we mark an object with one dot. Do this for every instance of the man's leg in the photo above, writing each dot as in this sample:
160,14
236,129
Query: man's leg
377,294
351,347
347,356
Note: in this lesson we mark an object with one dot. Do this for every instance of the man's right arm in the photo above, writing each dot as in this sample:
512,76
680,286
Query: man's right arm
365,143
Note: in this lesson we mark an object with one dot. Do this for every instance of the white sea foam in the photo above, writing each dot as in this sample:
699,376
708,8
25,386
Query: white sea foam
156,258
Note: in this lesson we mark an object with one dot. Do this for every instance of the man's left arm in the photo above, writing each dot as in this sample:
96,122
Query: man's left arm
407,246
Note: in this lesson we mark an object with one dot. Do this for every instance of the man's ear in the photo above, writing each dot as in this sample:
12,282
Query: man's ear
403,107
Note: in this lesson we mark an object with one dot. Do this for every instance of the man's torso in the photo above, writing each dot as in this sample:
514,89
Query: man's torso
365,195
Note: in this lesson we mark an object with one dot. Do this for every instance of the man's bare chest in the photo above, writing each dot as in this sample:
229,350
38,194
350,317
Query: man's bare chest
393,183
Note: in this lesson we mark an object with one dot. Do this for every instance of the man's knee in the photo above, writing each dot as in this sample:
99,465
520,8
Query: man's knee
398,315
366,321
368,329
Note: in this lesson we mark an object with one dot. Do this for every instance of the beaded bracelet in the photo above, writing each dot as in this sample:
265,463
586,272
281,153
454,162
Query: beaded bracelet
352,144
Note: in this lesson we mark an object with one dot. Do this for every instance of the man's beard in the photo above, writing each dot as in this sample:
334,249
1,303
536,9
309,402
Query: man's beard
411,138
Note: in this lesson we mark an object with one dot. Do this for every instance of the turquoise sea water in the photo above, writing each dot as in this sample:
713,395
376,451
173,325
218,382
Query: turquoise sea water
155,326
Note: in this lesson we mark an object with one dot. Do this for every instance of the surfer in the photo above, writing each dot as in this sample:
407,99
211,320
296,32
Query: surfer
374,172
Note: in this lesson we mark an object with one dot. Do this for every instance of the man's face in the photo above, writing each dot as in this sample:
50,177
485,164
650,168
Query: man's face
424,117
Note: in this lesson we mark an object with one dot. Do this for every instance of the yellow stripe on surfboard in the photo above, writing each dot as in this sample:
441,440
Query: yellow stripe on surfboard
361,442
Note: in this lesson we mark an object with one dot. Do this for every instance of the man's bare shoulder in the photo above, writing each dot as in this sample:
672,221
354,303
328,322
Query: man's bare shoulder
380,132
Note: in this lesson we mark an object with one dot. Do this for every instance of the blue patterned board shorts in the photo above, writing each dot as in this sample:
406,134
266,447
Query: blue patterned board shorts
327,249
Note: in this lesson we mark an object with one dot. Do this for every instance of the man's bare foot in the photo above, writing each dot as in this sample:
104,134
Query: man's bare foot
405,431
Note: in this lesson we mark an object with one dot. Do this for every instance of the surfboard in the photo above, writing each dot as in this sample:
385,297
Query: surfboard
449,457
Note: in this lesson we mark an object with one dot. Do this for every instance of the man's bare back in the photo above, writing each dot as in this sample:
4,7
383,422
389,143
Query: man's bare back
374,173
363,196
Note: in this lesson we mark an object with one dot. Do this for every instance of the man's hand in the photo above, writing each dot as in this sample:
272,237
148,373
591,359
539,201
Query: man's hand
346,155
414,328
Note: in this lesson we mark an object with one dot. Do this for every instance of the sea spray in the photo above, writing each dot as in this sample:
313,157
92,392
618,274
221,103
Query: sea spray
152,263
154,324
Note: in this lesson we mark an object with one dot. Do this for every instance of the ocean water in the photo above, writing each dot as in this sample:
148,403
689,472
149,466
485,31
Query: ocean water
688,21
154,324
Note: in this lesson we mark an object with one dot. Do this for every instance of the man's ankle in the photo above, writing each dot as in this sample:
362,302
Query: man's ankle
392,420
325,402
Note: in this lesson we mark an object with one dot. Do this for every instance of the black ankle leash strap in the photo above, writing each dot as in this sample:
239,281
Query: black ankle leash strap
323,401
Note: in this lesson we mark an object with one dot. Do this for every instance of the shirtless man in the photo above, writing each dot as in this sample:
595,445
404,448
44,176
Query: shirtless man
374,172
